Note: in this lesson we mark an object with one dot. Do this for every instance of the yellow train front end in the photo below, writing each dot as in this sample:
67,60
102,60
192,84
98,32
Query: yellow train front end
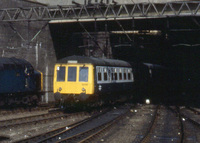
73,83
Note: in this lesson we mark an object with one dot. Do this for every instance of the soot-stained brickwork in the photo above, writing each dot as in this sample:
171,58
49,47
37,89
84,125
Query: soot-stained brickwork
31,41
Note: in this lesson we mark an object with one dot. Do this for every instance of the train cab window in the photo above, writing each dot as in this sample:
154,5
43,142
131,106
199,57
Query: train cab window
71,73
83,74
60,73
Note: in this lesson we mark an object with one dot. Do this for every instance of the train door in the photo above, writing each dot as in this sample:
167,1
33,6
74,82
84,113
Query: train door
59,78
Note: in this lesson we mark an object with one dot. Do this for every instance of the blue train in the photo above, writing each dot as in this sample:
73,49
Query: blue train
19,82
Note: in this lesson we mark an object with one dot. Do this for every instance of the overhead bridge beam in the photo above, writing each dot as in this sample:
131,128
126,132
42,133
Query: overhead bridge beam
101,12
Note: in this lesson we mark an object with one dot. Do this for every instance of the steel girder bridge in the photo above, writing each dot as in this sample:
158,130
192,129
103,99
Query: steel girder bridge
101,12
114,13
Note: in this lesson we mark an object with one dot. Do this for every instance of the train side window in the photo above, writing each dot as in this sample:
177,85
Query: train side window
99,76
99,73
112,74
116,70
109,74
105,74
129,76
60,73
71,73
83,74
125,74
115,76
120,74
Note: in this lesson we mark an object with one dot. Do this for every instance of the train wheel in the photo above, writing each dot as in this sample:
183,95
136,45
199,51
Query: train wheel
10,101
2,103
25,100
17,101
34,101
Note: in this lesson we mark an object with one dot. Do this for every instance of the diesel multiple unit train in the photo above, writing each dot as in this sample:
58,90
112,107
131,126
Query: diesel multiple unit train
80,79
19,82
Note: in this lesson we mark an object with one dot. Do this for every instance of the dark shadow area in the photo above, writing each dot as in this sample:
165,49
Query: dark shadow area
175,54
3,138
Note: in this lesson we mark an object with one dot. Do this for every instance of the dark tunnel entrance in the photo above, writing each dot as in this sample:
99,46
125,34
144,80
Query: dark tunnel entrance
169,42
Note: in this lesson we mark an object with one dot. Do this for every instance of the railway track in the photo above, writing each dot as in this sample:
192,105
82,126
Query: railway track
42,118
24,127
147,135
164,127
197,112
5,112
145,123
191,124
84,130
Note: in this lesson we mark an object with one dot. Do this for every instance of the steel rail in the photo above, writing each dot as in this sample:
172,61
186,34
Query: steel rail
94,132
194,110
190,120
147,135
97,12
53,133
180,116
30,120
181,123
4,112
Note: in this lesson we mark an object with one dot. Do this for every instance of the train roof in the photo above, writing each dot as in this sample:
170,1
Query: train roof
12,63
154,66
94,61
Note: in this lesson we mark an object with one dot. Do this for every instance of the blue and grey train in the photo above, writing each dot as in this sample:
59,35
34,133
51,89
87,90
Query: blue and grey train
19,82
79,79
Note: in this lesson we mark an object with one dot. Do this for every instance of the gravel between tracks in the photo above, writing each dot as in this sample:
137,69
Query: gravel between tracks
131,128
26,131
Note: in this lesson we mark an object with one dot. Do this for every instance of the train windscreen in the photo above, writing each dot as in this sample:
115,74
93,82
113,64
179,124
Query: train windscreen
71,73
83,74
61,74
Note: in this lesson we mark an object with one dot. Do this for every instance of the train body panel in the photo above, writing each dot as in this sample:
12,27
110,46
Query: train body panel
87,79
9,76
74,79
18,80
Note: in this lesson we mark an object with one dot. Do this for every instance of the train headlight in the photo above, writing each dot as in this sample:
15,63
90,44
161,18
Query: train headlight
60,89
100,87
83,89
147,101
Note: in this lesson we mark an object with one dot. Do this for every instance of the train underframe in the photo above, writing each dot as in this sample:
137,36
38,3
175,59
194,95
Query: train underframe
14,99
83,100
